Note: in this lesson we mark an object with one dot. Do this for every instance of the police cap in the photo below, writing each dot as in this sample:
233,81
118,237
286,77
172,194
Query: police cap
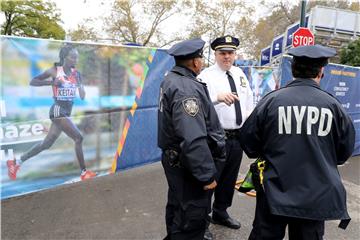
312,54
187,49
225,43
312,51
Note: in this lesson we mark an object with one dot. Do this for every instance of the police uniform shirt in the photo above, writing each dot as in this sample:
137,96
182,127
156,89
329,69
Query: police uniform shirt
217,82
303,133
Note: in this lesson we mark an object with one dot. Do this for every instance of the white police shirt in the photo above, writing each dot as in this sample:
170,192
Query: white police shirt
217,82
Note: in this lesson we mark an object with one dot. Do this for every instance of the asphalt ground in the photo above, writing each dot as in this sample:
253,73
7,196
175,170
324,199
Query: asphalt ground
131,205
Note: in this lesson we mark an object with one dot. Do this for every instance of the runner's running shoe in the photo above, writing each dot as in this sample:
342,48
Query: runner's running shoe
12,168
87,174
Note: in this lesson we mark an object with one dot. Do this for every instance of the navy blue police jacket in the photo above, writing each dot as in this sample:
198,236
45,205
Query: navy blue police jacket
188,124
303,133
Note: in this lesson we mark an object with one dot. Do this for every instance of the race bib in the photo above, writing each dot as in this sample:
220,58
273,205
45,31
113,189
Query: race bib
66,93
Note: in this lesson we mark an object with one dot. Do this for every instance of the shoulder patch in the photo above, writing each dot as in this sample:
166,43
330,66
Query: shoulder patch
191,106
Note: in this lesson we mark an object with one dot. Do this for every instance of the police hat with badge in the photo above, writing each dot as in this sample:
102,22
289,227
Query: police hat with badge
187,49
312,54
225,43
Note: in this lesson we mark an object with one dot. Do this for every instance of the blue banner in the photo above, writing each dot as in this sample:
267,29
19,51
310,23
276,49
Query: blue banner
116,119
277,46
343,82
289,34
265,56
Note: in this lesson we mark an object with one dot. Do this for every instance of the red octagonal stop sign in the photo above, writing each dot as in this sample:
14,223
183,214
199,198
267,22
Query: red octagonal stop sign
302,37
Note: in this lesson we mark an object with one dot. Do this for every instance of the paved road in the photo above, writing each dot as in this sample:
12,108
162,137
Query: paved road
130,205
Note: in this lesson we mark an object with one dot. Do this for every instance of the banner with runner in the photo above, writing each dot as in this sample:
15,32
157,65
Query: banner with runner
66,107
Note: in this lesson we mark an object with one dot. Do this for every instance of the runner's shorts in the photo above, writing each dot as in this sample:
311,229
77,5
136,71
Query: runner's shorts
60,109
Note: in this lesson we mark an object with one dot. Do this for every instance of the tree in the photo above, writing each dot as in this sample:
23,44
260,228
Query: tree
212,19
350,55
283,14
138,21
84,31
32,18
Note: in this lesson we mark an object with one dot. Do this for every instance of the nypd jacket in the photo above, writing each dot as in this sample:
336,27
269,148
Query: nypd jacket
187,123
303,133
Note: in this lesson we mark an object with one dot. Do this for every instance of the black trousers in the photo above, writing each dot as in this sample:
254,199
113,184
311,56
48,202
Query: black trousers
227,175
187,205
267,226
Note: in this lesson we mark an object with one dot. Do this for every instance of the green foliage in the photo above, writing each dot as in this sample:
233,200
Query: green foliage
283,14
31,18
84,31
350,55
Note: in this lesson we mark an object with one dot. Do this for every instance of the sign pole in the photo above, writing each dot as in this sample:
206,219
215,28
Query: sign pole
302,14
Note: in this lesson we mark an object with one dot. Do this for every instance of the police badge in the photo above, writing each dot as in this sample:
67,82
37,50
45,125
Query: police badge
191,106
242,82
228,39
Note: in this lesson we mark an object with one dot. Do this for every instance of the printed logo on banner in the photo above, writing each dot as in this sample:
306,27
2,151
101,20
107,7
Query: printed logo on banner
6,154
265,56
2,109
290,33
277,46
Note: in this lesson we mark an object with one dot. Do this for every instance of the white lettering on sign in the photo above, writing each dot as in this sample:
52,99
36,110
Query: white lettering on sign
2,109
341,90
346,105
9,155
342,84
303,41
322,118
23,130
303,37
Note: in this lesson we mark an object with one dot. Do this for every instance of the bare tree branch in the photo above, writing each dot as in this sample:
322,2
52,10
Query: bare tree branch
138,21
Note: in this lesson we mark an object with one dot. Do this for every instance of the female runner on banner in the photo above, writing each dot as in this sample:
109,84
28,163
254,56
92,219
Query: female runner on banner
65,80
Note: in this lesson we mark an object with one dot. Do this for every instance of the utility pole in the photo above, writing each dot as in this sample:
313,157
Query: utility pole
302,14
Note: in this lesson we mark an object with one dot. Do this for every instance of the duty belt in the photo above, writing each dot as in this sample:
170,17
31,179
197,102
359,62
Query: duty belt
232,133
172,158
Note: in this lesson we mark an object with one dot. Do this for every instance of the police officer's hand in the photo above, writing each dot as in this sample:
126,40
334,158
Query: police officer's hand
227,98
210,186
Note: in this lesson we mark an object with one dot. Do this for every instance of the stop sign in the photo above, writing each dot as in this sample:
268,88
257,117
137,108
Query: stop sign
302,37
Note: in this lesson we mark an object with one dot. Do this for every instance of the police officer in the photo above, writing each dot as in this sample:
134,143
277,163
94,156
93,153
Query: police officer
191,139
302,133
232,97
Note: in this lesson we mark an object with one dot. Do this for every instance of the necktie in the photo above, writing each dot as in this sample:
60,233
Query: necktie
236,103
